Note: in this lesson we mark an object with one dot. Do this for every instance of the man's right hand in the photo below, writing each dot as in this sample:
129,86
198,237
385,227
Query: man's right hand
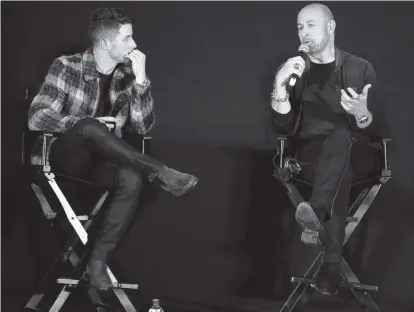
295,65
108,121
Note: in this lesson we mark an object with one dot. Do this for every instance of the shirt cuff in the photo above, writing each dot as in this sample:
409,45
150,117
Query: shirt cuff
142,88
282,119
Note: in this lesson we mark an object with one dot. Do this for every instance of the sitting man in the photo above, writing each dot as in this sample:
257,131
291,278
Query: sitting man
91,98
328,115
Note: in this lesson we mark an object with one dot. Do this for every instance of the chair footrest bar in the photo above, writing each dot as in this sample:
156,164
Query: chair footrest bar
352,219
73,282
33,309
34,301
83,218
50,215
356,286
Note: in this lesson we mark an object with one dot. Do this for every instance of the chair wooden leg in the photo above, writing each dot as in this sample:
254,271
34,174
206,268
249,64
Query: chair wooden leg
302,288
360,291
43,294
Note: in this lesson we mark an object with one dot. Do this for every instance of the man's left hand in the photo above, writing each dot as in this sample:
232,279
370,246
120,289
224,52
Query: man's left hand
138,65
357,105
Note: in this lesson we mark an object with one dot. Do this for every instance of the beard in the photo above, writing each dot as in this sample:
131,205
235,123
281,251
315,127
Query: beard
317,47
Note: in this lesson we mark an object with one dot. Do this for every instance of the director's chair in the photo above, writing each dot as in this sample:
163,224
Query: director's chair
55,288
287,170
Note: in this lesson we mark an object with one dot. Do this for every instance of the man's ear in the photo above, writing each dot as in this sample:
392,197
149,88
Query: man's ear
331,26
105,44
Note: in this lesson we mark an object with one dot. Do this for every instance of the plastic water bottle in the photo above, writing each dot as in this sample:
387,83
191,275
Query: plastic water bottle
156,306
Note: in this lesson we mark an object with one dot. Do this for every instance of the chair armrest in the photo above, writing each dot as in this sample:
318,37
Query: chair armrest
139,141
29,137
145,144
29,140
38,133
382,144
48,139
283,141
385,144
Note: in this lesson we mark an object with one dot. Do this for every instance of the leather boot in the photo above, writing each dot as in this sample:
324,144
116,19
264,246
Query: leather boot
97,275
310,218
329,278
175,182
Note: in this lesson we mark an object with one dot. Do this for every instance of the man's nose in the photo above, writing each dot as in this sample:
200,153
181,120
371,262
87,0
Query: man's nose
133,45
305,36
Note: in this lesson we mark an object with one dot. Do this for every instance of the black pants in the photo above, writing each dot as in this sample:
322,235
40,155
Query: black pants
334,162
90,151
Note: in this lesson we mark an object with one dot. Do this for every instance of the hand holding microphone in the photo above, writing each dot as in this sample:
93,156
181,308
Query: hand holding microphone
110,120
303,51
292,69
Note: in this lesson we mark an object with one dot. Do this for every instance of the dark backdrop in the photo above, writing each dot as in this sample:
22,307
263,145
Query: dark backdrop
211,65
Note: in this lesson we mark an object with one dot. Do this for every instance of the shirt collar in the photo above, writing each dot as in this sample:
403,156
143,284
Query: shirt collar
89,65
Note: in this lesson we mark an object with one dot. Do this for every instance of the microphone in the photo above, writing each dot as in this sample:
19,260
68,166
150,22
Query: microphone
303,52
119,103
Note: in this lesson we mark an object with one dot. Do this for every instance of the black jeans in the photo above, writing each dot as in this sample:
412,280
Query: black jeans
334,162
90,151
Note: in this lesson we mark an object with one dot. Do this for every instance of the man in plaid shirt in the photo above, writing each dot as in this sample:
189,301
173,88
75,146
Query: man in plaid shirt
90,98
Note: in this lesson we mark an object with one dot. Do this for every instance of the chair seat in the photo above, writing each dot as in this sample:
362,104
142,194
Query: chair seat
74,179
308,170
368,180
36,161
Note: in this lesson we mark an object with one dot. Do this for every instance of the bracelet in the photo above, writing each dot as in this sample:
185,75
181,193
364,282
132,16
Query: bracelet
143,84
363,119
280,99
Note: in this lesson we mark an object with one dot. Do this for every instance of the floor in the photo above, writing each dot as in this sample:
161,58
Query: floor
79,302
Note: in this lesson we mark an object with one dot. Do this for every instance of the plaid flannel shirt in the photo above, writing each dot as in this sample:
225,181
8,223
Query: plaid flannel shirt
71,92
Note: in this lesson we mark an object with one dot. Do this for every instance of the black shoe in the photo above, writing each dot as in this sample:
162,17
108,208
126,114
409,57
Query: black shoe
97,275
309,218
175,182
329,278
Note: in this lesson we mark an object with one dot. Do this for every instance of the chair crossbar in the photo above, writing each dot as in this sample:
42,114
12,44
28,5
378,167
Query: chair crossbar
357,286
75,282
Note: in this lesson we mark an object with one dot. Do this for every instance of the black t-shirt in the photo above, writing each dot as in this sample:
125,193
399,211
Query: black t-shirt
322,110
104,106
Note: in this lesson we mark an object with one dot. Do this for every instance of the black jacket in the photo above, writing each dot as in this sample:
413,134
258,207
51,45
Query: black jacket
351,71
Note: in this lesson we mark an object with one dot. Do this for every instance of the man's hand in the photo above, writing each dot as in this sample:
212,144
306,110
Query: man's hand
357,105
108,121
295,65
138,65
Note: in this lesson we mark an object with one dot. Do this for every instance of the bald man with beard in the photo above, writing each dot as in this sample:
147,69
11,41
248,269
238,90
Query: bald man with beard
331,110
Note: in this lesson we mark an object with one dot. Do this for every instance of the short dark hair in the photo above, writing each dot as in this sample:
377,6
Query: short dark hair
104,23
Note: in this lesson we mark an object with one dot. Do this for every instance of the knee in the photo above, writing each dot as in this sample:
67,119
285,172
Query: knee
129,179
342,134
88,127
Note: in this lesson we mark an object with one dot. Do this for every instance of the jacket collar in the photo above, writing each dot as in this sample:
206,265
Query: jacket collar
89,65
339,58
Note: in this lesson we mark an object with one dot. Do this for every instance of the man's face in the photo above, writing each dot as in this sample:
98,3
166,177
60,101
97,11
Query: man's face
122,44
313,29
